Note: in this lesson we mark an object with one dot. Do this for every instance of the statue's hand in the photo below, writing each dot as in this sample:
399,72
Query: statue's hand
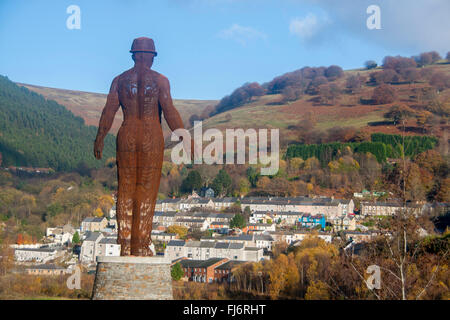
98,149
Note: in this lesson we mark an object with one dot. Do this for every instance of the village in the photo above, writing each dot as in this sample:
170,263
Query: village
216,238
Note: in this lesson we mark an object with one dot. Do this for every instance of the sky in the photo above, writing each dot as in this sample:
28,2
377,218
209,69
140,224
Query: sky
207,48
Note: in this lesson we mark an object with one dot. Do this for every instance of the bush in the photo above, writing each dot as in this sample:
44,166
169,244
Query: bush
334,72
384,94
370,64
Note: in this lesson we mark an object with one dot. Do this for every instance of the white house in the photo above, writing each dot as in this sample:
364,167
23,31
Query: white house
60,235
204,250
89,247
41,255
107,247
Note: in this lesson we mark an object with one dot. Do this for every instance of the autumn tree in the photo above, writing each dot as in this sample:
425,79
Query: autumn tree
440,81
398,63
334,72
179,230
329,93
385,76
384,94
424,59
291,94
354,82
314,85
410,74
398,113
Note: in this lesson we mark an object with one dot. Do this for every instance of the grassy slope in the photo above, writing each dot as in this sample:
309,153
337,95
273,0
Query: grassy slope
348,112
89,105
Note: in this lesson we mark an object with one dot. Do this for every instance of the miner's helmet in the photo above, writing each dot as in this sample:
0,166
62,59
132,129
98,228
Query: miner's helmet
143,44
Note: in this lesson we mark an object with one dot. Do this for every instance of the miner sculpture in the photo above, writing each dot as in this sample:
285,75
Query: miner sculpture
143,95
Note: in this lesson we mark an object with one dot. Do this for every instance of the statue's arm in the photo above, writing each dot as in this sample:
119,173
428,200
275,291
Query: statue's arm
107,118
165,100
170,113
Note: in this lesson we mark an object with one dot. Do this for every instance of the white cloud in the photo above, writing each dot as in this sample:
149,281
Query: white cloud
307,28
241,34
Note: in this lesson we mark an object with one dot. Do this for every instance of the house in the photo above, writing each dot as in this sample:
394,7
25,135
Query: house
286,217
163,236
224,271
258,227
357,237
261,217
200,270
172,204
89,248
264,241
60,235
94,224
165,219
310,221
222,203
344,223
219,226
299,236
194,224
191,203
283,236
388,208
41,255
204,250
247,239
112,212
107,247
46,270
329,207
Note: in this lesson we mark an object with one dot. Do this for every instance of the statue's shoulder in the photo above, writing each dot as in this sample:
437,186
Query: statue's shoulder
160,78
125,74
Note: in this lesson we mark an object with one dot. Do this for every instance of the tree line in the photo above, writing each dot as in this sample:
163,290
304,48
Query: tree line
35,132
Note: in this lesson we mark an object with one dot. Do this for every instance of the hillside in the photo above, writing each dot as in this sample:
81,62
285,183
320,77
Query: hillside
349,110
89,105
36,132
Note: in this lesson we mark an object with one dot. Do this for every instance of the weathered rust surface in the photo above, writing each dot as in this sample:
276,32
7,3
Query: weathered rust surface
143,95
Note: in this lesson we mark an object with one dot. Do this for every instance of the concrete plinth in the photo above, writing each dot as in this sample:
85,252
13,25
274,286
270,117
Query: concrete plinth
132,278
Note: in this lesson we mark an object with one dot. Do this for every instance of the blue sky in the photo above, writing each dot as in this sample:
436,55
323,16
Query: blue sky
207,48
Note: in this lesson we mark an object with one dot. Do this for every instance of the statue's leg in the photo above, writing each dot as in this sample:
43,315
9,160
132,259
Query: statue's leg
126,171
147,186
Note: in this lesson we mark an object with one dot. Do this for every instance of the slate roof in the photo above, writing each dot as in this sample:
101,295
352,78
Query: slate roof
230,265
92,236
176,243
188,263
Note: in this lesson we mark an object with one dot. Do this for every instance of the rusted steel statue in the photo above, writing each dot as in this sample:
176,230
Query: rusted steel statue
143,95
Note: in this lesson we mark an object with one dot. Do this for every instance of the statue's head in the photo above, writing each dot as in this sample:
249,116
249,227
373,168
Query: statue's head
143,50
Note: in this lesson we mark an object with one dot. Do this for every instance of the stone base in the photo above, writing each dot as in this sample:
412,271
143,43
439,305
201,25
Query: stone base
132,278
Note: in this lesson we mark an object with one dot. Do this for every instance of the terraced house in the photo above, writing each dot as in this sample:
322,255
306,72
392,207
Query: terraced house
204,250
